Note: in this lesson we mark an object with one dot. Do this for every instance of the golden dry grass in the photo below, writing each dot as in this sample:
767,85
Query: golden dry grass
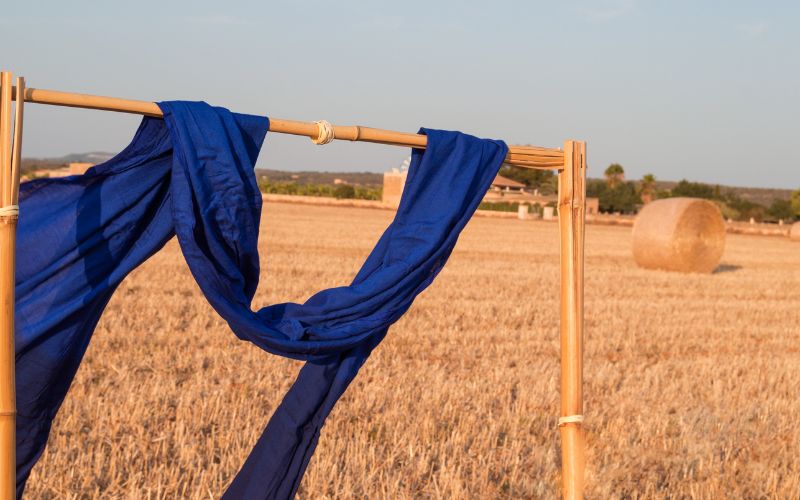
691,380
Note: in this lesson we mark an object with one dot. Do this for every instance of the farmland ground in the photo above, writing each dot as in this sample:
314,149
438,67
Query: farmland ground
691,381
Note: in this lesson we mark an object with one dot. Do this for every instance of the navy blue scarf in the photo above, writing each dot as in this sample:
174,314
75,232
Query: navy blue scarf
191,174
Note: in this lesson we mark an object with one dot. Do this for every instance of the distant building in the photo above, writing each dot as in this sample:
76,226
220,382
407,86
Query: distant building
592,206
506,185
502,189
393,182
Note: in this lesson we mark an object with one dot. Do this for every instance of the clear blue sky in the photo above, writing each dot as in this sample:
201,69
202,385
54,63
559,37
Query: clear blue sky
709,91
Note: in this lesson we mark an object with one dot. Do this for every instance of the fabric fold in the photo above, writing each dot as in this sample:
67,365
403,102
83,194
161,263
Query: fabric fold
192,175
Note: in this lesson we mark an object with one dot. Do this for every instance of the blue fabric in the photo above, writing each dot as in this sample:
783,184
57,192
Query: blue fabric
191,174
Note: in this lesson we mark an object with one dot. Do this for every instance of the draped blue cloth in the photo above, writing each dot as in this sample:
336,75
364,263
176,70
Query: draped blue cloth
191,175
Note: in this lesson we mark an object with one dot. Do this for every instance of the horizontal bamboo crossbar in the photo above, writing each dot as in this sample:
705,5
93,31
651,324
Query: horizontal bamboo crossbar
522,156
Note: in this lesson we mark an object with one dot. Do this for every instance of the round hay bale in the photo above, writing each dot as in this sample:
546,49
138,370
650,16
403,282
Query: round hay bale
794,232
679,234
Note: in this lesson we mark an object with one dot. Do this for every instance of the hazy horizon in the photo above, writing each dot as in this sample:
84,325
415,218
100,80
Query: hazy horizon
592,174
705,92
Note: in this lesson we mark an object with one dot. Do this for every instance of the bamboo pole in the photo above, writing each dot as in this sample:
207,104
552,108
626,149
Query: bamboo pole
522,156
16,152
8,226
571,211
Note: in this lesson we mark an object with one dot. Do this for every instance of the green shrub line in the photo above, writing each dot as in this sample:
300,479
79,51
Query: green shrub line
339,191
732,205
510,206
614,194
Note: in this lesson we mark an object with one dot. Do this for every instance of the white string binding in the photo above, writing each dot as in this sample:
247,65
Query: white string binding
570,419
9,211
325,134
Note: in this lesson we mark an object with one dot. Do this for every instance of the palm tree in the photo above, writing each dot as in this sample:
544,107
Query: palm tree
648,188
615,175
796,202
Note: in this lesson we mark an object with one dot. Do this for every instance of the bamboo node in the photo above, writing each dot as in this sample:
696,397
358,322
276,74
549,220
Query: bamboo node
325,134
11,211
570,419
8,413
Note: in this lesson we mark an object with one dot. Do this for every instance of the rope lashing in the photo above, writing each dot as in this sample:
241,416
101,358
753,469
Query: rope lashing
325,134
9,211
570,419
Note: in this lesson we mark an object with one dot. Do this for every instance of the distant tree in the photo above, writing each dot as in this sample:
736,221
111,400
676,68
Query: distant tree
727,211
663,193
647,188
369,193
694,190
620,198
615,175
343,191
796,203
731,204
648,182
781,210
745,208
549,187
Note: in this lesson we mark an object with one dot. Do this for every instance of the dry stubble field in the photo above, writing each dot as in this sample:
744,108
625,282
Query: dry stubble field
691,381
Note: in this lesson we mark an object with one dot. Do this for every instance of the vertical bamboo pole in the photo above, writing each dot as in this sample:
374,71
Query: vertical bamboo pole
8,227
16,151
571,211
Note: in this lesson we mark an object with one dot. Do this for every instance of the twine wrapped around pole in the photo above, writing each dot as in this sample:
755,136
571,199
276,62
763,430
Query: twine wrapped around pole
326,133
9,211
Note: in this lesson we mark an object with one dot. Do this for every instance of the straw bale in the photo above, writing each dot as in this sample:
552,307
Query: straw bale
794,232
679,234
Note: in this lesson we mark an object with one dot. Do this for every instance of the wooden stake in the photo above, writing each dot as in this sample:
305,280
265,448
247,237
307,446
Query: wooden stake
16,153
522,156
5,138
571,211
8,227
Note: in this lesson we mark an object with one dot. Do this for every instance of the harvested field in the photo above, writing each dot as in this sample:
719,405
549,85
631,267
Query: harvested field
691,380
